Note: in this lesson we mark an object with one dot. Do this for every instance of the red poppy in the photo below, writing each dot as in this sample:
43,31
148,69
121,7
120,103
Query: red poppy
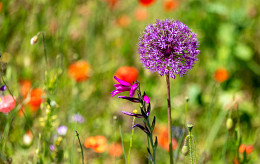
115,150
163,141
128,74
170,5
112,3
79,70
221,75
248,148
146,2
1,6
7,103
36,99
141,14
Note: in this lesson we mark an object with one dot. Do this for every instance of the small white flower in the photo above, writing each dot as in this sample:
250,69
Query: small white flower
27,139
53,103
34,40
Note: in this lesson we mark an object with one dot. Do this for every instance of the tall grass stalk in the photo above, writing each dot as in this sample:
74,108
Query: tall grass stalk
122,142
73,140
131,141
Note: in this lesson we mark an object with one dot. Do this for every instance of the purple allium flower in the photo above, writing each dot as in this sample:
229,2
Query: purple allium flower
124,86
168,47
62,130
78,118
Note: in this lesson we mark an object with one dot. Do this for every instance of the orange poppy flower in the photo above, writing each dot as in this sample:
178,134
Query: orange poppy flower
79,70
235,161
7,103
90,142
163,140
170,5
248,148
141,14
146,2
115,150
35,99
97,143
221,75
25,86
128,74
123,21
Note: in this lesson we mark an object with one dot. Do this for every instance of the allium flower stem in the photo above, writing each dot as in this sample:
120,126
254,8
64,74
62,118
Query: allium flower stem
169,119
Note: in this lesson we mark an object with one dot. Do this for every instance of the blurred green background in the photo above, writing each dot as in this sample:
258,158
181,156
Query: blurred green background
105,34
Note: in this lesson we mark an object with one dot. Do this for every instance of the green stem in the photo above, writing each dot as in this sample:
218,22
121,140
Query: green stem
190,145
131,141
148,145
122,142
82,156
195,149
44,49
151,139
169,119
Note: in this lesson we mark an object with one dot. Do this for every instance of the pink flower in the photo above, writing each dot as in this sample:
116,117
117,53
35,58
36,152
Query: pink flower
7,103
124,86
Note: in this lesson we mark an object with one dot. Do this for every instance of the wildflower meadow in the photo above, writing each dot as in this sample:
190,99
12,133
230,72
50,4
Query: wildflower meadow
129,82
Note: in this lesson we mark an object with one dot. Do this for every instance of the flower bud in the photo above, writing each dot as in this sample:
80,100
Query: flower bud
187,99
185,150
189,126
135,111
229,123
34,40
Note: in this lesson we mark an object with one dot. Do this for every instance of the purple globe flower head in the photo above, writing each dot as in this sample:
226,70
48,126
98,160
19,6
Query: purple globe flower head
168,47
62,130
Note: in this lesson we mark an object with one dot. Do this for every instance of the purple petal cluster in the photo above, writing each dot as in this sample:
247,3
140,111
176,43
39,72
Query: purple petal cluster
3,88
62,130
168,47
78,118
124,86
